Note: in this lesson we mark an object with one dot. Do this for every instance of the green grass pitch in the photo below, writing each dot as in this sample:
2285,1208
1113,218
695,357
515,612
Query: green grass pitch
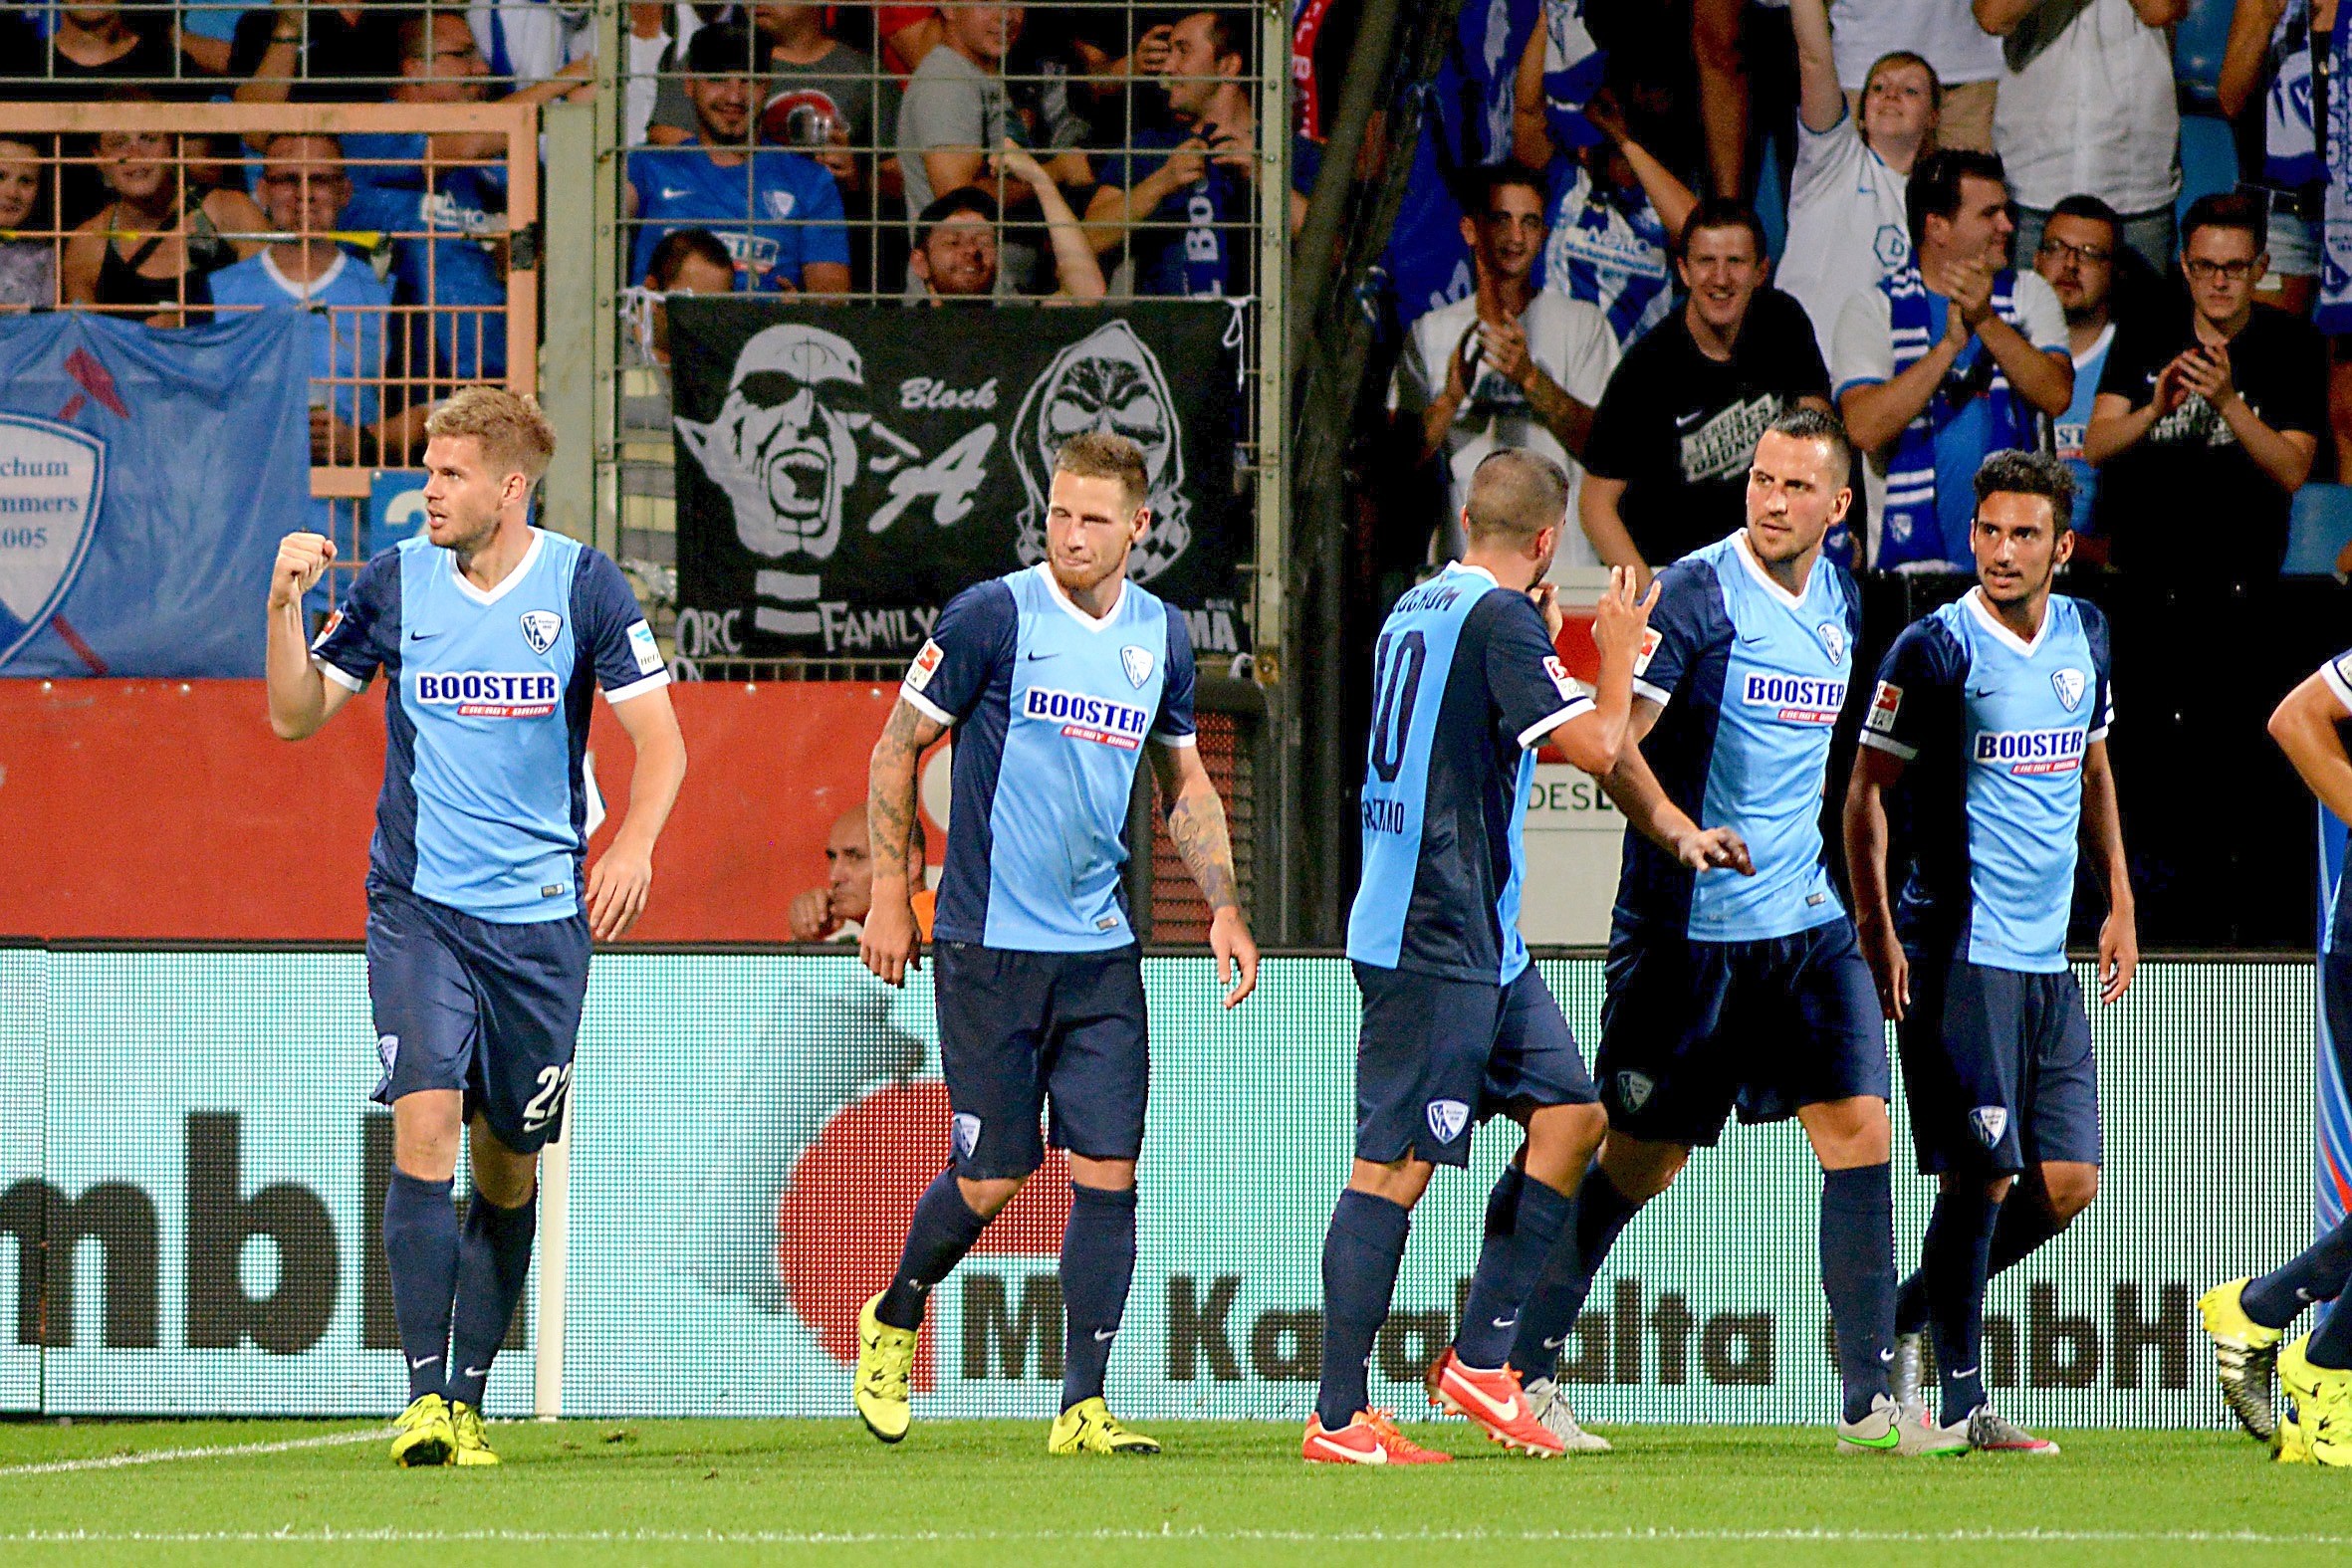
972,1492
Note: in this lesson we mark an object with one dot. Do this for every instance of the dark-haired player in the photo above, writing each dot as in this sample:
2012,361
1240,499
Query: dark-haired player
1992,714
1054,679
1745,991
1457,1027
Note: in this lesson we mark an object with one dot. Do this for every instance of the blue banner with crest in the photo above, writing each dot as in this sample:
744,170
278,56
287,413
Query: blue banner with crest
145,477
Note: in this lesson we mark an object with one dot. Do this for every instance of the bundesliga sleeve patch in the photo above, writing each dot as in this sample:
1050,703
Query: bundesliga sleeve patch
333,620
926,665
642,644
1562,681
1886,704
1651,638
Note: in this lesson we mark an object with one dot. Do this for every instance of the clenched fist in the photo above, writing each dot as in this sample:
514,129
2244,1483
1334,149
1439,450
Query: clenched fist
302,558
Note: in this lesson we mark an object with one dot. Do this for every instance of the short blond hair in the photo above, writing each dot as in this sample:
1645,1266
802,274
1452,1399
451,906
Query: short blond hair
1099,454
515,436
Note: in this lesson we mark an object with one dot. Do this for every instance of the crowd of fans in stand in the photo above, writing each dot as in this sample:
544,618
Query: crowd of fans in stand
1953,223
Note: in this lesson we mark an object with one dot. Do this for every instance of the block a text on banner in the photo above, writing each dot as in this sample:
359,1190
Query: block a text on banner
844,472
145,477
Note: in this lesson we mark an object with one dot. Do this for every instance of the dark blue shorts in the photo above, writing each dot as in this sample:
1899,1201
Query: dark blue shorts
1997,1067
1692,1031
1438,1056
2335,1004
1021,1031
490,1010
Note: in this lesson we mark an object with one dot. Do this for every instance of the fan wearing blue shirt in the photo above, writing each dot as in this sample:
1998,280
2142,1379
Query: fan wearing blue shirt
1055,679
1184,199
302,189
494,638
443,200
1746,992
777,213
1990,717
1457,1027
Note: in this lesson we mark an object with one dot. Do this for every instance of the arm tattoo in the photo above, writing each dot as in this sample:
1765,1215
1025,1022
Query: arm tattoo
891,787
1196,823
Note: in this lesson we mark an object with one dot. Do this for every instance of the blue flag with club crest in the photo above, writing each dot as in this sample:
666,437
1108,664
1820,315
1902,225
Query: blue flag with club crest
145,477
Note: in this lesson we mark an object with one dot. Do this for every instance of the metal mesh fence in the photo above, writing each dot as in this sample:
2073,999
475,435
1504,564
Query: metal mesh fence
190,1167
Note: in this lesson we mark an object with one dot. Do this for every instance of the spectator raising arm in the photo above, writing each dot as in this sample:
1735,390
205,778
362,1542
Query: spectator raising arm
1722,90
1074,265
1113,212
1820,102
2246,62
2002,17
1670,198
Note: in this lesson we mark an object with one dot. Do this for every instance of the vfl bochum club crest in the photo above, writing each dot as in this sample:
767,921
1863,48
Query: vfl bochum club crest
1834,637
1137,663
2069,685
1447,1118
52,479
541,628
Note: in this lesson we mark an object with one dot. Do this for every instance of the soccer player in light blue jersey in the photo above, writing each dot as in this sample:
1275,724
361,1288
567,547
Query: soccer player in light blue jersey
1055,679
1457,1025
1745,992
2249,1320
494,638
1992,716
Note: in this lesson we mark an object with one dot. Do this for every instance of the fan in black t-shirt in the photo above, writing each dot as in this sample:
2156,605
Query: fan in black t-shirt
2211,412
1667,468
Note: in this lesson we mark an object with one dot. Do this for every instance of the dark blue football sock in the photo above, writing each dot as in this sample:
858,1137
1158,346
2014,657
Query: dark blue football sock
1097,1262
1362,1252
1952,1261
2318,1274
1557,1296
2330,1344
1858,1277
2026,1222
937,1238
1507,1268
420,1253
493,1260
1911,1300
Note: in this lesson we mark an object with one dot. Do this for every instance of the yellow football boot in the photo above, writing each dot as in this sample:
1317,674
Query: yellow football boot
885,1357
423,1434
1088,1427
473,1443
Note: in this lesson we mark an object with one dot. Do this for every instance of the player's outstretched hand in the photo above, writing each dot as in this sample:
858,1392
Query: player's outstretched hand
1715,849
888,943
1623,613
617,885
1890,968
2119,956
1237,954
302,557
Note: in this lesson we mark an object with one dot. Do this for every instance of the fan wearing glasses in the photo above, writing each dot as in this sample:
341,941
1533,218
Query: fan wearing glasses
2212,413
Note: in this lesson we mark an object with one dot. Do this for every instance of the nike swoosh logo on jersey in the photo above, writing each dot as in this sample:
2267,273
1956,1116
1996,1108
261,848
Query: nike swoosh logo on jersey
671,192
1051,654
419,637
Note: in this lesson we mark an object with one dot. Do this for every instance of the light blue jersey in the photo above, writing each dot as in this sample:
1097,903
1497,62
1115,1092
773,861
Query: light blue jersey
1753,679
1996,729
1051,709
483,807
1465,686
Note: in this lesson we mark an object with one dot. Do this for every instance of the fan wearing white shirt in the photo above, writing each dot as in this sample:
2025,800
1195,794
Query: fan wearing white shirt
1848,225
2087,106
1508,367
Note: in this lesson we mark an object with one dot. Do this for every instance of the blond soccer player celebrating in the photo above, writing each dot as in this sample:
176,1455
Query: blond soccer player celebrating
494,638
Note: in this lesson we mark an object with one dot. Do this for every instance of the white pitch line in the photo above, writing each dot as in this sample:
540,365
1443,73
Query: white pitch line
951,1537
116,1461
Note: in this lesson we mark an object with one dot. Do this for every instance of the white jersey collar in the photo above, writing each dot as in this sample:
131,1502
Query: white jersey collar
507,583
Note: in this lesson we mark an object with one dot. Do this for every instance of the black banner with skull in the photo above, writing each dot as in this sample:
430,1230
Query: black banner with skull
843,470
